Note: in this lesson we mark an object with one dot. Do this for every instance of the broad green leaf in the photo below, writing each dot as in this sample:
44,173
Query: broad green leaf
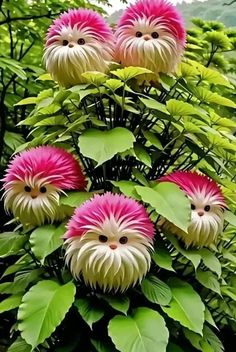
46,239
13,140
125,74
42,309
191,254
180,108
75,199
152,139
209,280
21,282
210,260
53,120
142,155
127,188
186,70
113,84
156,291
11,243
162,199
103,145
27,101
213,76
94,77
19,346
205,95
154,105
10,303
90,310
186,306
142,331
230,217
162,258
120,303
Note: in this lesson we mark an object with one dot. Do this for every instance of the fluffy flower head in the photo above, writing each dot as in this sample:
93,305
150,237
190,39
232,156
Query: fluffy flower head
151,34
34,180
207,204
109,239
78,41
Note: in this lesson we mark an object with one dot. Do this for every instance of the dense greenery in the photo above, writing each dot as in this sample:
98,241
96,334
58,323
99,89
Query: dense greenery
188,300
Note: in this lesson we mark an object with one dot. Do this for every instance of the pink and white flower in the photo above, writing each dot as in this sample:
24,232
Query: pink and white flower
151,34
207,204
109,239
34,180
78,41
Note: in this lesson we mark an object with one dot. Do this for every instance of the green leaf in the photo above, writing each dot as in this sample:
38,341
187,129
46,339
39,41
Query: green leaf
94,77
191,254
152,139
162,198
103,145
19,264
180,108
44,77
46,239
11,243
162,258
10,303
138,332
205,95
230,217
156,291
90,310
210,260
21,282
51,121
13,140
154,105
114,84
208,279
127,188
212,339
27,101
213,76
43,308
75,199
142,155
125,74
209,318
120,303
19,346
186,306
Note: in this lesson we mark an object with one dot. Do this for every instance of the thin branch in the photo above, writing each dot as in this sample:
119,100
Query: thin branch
28,18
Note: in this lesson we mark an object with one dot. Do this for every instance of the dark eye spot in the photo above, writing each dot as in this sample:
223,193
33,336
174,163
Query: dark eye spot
155,35
207,208
81,41
123,240
103,238
65,42
193,207
43,189
27,189
138,34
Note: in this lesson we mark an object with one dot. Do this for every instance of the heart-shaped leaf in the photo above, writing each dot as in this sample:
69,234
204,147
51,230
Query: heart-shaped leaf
103,145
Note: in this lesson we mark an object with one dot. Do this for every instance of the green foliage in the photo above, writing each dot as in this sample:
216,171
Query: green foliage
126,136
142,326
